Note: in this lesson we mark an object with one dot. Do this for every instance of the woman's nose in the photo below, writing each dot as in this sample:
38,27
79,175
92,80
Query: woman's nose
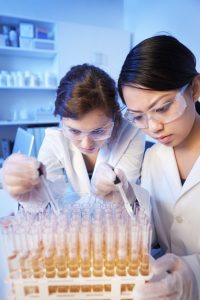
86,141
154,125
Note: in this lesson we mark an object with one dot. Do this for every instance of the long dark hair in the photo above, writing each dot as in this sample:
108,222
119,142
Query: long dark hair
159,63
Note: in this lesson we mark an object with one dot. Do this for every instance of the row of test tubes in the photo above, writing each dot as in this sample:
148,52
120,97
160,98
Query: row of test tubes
87,239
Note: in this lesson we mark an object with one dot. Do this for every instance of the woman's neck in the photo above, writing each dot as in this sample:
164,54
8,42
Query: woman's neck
90,161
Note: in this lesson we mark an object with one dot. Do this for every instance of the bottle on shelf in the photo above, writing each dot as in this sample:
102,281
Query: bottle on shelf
13,37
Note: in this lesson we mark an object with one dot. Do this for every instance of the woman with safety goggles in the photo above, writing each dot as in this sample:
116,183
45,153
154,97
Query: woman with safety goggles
92,131
160,86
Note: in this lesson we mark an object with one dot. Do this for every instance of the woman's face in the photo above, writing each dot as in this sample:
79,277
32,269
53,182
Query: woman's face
170,133
90,132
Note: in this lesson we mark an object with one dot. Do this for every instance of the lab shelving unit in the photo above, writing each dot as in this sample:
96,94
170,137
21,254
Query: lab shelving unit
20,103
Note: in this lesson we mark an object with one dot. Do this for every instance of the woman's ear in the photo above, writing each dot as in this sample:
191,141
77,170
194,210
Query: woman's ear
196,88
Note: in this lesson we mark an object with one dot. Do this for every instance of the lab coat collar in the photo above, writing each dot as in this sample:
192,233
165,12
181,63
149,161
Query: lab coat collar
193,177
172,174
169,167
79,169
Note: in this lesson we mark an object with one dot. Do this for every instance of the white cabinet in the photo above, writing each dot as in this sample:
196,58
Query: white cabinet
28,74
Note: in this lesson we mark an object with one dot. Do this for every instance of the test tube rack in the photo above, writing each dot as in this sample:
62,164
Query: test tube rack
96,288
79,255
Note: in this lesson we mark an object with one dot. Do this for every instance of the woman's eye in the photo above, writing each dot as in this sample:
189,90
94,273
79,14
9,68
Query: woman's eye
164,108
74,131
98,131
138,118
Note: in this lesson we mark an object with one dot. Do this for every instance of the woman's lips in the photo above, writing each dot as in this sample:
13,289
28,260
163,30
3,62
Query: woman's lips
88,150
164,139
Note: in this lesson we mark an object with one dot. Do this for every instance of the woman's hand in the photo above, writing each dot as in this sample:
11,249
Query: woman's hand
20,174
177,283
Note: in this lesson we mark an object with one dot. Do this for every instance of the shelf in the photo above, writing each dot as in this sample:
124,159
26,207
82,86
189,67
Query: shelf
28,88
29,122
33,53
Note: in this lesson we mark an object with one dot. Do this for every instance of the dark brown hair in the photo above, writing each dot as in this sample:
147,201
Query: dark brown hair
85,88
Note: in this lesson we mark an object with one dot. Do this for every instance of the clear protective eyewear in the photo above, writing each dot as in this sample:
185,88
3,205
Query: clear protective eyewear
97,134
165,113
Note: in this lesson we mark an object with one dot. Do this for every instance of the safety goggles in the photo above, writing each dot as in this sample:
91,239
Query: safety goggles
165,113
97,134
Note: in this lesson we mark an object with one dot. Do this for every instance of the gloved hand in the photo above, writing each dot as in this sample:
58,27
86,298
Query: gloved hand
20,174
177,283
103,180
104,185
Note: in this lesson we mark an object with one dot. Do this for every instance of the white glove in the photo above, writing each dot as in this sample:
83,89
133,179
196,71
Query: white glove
177,283
20,174
22,180
104,185
103,180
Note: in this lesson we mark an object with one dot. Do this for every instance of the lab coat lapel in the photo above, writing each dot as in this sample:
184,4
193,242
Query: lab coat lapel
193,177
78,170
169,167
103,155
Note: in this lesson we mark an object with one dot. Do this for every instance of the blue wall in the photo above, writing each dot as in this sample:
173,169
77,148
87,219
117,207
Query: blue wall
180,18
106,13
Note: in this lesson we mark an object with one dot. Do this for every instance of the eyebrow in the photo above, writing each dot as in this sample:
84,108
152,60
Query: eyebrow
151,105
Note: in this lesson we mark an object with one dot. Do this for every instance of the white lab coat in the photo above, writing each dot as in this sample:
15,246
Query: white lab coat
176,207
65,165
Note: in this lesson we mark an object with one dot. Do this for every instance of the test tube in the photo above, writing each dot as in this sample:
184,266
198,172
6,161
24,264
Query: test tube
11,251
24,252
49,251
61,253
85,252
36,250
134,247
73,250
98,240
146,246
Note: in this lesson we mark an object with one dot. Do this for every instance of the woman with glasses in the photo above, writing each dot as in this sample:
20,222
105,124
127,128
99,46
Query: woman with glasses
92,132
160,86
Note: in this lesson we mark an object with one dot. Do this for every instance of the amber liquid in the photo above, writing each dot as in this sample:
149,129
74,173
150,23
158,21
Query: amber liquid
144,265
13,266
74,272
25,265
37,263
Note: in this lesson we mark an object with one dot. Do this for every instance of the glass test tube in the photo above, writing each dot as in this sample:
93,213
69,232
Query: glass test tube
11,251
61,252
24,252
37,251
73,247
145,249
134,248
